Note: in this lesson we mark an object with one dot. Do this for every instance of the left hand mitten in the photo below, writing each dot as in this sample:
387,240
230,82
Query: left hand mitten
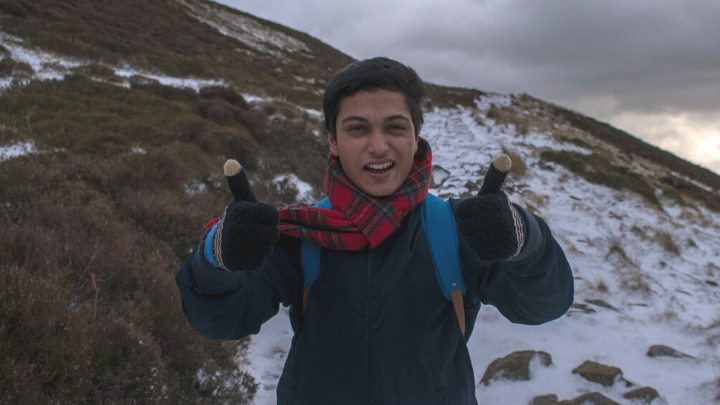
492,226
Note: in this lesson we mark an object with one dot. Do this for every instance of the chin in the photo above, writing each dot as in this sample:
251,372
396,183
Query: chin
380,191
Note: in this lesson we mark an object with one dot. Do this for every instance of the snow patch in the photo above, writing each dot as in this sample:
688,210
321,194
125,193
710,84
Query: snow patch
194,83
314,113
195,187
246,30
484,103
304,190
252,98
16,149
45,65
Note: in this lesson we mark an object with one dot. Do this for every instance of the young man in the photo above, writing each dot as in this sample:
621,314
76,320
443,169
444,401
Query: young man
375,328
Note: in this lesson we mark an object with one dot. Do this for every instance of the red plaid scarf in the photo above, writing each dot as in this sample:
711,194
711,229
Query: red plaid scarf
357,219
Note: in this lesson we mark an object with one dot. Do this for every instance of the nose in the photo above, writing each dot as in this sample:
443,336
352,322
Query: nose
378,145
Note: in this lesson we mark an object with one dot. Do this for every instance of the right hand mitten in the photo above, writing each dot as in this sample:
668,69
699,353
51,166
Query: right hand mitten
243,238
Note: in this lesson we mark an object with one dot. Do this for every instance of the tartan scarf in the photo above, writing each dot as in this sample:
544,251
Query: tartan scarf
357,219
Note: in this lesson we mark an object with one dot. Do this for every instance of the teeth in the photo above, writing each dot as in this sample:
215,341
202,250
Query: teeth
379,166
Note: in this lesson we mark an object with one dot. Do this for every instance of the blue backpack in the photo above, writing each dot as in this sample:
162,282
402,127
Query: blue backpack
438,222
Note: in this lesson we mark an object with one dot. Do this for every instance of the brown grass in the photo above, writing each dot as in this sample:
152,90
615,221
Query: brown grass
616,249
636,147
600,286
599,170
78,271
519,168
666,241
93,233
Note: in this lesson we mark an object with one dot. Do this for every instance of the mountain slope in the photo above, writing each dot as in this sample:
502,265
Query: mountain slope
115,118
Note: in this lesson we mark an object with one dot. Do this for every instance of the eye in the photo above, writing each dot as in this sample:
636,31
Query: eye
397,128
355,129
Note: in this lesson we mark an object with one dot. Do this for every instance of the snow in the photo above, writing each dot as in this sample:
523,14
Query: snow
250,32
48,66
659,296
16,149
45,65
251,98
195,187
267,353
193,83
493,100
317,114
305,192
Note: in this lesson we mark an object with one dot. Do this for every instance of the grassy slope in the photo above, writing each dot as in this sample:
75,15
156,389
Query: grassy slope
93,232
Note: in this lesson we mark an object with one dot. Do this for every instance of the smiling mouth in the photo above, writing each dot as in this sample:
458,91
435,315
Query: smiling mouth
379,167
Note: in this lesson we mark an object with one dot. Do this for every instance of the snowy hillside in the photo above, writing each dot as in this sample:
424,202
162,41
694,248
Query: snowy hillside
644,276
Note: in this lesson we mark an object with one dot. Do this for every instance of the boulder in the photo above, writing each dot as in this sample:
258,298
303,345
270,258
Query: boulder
592,398
645,395
599,373
666,351
548,399
515,366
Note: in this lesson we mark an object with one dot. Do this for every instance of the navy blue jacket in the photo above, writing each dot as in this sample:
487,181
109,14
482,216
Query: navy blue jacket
378,329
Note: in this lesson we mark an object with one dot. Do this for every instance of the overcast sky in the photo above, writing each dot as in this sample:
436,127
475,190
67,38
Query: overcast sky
650,67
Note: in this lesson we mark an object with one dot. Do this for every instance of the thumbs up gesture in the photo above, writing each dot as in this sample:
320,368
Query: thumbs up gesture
492,227
245,235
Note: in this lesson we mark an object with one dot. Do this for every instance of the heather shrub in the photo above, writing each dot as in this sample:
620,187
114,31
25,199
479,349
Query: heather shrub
94,226
225,93
90,248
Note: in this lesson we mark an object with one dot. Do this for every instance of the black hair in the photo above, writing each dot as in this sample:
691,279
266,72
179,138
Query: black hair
369,74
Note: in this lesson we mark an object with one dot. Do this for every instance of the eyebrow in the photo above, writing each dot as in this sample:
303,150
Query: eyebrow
390,118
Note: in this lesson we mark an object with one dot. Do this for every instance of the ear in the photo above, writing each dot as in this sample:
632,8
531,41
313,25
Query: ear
334,151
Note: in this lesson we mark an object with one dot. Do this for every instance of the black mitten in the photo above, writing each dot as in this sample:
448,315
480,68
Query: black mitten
245,235
492,227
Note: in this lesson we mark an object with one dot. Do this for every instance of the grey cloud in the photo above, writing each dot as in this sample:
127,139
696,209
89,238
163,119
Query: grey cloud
602,58
650,55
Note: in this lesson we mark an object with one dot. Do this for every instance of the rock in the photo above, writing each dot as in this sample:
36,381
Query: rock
549,399
645,395
666,351
599,373
592,398
515,366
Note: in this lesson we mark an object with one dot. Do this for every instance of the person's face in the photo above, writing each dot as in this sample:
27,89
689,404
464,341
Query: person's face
376,140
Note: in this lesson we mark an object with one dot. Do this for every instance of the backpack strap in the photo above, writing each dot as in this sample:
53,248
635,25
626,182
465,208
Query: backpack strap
310,259
438,222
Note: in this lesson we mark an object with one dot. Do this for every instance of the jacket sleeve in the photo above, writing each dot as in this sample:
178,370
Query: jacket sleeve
534,287
232,305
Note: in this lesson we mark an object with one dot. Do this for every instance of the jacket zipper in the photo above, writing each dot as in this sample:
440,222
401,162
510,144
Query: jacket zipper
367,328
